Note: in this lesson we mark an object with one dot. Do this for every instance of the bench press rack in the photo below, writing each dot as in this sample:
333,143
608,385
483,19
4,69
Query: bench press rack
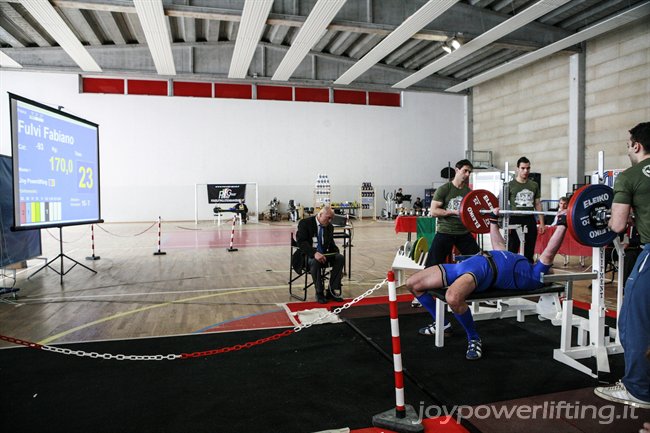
592,340
548,307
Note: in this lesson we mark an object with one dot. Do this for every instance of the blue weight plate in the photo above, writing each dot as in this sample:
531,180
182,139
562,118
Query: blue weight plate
583,206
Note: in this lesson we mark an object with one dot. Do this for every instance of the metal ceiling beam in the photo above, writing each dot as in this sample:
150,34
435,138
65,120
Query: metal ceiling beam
8,62
592,31
156,31
76,20
135,27
47,17
423,16
521,19
110,27
212,31
7,36
14,15
363,45
310,33
474,20
253,20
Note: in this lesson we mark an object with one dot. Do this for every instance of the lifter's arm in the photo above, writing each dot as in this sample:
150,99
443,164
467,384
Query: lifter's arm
498,243
553,246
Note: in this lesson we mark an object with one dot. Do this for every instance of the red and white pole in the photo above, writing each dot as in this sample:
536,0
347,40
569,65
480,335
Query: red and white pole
92,244
159,253
400,409
232,235
403,418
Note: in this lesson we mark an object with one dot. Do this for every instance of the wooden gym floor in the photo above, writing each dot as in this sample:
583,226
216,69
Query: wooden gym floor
196,286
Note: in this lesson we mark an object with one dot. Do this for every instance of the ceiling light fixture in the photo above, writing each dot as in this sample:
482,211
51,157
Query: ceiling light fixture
451,45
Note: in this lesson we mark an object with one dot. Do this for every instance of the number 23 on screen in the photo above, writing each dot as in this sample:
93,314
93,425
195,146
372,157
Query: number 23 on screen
86,177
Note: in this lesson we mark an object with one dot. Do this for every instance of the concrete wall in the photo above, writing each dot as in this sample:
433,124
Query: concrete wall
527,111
617,92
155,149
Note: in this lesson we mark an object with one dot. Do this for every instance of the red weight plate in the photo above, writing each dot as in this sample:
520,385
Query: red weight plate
471,206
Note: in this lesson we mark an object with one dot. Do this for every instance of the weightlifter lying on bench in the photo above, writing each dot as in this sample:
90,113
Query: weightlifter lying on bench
497,269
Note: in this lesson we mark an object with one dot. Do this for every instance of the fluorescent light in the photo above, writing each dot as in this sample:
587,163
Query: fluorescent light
51,21
310,33
427,13
154,23
250,31
524,17
454,43
588,33
446,48
8,62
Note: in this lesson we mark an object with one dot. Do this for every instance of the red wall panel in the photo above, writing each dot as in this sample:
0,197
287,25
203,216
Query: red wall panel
385,99
238,91
311,94
350,96
201,90
147,87
276,93
102,85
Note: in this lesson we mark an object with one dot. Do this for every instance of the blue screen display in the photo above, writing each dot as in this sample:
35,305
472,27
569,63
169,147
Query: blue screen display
56,166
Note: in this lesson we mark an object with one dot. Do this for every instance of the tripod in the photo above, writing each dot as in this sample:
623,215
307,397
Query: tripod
62,256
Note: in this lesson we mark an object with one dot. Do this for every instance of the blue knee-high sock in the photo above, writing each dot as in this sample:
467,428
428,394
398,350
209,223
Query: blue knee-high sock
467,321
430,304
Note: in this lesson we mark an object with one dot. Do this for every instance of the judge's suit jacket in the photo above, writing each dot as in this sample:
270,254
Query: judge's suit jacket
305,238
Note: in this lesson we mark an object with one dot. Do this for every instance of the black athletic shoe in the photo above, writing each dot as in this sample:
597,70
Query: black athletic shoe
333,297
474,350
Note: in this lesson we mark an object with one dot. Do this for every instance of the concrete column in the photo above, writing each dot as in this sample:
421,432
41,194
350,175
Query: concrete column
576,119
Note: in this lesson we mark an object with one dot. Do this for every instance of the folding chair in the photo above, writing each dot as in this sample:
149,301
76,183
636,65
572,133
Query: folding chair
298,265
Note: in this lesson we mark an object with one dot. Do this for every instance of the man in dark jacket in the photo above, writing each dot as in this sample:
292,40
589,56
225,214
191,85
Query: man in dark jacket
315,239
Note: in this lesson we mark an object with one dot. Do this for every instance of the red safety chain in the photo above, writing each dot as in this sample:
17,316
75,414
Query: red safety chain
236,347
21,342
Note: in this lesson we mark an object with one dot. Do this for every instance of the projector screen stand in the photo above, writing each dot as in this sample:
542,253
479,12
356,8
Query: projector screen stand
61,256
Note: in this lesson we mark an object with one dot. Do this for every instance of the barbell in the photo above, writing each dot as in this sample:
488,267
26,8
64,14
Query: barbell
588,213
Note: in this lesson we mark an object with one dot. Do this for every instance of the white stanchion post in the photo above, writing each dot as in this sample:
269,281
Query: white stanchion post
92,244
232,236
159,253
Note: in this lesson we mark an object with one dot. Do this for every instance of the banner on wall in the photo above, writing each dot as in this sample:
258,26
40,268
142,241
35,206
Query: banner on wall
609,177
218,193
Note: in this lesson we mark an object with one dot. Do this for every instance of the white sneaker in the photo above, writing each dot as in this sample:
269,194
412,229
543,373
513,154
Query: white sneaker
619,394
430,329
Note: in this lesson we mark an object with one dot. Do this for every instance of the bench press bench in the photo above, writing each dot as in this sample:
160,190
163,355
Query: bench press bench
501,310
547,307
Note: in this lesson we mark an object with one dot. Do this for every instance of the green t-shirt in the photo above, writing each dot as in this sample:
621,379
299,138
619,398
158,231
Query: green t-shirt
522,196
450,197
632,187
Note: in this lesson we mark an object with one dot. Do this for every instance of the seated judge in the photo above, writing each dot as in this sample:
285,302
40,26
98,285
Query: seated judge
315,239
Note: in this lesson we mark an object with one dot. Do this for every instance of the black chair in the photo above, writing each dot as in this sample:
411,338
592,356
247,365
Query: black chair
299,268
